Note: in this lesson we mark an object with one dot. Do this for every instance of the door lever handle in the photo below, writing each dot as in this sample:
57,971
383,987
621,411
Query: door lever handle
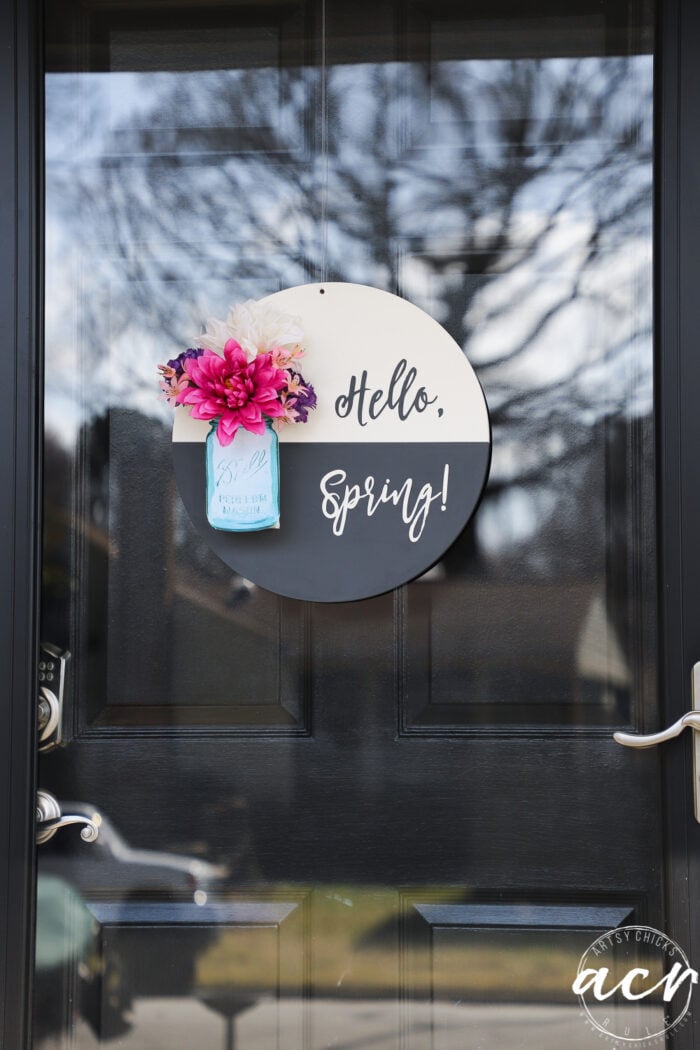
690,720
49,819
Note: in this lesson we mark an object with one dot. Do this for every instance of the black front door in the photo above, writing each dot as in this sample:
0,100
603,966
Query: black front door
396,822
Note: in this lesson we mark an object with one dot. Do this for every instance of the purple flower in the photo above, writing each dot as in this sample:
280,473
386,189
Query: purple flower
304,397
178,363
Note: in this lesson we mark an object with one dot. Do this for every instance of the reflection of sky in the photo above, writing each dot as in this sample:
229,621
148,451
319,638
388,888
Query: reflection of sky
511,199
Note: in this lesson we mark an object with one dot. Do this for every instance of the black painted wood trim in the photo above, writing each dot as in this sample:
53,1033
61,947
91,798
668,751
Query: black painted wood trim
20,418
678,465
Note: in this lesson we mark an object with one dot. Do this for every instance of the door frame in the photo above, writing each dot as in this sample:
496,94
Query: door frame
21,116
677,330
677,394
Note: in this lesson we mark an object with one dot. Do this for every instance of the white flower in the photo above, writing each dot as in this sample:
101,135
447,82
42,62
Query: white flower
256,326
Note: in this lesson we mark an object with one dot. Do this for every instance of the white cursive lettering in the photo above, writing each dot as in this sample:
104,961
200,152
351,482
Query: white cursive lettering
339,499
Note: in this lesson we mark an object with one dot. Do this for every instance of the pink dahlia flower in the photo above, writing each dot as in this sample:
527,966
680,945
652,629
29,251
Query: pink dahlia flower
241,393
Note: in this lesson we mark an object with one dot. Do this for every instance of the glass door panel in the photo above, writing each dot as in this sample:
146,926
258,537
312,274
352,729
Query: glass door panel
360,824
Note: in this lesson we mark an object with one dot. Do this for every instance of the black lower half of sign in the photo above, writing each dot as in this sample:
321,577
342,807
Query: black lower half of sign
356,519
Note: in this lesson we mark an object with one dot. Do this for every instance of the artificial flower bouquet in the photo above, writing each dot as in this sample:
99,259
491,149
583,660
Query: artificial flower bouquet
243,377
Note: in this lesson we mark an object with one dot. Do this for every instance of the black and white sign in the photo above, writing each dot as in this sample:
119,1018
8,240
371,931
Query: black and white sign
387,471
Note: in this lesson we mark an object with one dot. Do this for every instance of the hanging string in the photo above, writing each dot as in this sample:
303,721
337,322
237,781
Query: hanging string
323,217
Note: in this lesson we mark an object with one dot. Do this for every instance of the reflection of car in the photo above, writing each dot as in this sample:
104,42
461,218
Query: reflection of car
138,946
111,866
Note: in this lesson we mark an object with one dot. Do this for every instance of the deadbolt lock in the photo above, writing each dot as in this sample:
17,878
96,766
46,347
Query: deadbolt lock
53,664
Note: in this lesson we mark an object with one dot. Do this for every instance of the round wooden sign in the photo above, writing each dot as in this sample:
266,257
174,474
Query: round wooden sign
386,472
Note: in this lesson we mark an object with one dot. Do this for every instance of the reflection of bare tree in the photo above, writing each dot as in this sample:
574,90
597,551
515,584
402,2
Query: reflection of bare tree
510,197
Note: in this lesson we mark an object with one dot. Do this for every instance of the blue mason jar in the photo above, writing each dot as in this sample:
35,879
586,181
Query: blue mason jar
243,481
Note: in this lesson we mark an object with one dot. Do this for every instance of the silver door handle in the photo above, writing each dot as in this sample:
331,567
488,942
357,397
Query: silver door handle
49,819
691,720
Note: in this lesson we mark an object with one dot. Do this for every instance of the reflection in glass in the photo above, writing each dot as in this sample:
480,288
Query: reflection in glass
234,974
497,171
508,195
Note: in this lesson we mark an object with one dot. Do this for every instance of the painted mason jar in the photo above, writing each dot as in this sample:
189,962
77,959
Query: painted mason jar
243,481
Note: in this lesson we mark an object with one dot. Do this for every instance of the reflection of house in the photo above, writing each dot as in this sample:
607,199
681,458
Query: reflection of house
532,644
599,654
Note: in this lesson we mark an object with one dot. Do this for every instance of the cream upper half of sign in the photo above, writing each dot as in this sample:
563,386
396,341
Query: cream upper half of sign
383,371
